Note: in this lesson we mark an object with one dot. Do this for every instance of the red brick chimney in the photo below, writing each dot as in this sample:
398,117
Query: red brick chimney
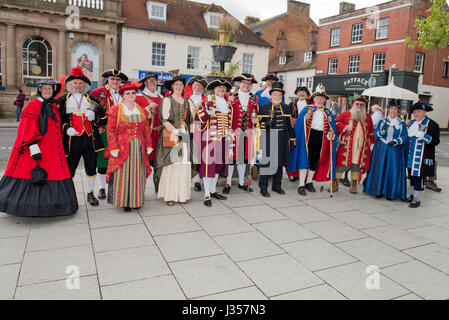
346,7
298,7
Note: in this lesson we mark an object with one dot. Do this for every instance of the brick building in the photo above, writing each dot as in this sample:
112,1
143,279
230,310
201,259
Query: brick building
293,38
357,48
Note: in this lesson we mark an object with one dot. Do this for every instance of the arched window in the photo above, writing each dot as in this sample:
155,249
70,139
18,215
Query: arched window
37,60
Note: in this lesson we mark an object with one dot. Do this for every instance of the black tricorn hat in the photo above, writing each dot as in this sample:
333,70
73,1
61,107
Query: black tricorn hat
219,82
305,89
148,75
421,106
115,73
270,77
169,83
277,86
78,73
245,76
198,79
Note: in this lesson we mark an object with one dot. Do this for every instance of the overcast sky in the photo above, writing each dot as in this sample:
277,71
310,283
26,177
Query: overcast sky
264,9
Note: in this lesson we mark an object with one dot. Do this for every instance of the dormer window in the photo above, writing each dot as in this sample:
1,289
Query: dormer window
157,10
283,60
212,19
308,56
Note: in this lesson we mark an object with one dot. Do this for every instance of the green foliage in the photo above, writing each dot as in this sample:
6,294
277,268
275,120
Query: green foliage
232,70
434,30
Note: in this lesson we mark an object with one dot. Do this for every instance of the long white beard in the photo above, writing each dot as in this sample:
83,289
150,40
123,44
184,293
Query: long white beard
358,115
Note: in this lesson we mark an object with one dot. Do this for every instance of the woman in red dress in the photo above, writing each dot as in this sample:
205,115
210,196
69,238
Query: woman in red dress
38,151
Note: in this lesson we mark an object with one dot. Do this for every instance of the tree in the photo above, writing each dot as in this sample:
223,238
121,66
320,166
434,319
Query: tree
434,30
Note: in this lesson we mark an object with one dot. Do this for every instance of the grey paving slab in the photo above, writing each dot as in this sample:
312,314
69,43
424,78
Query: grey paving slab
14,227
321,292
358,220
241,200
115,238
334,231
424,212
209,275
58,290
51,265
224,224
170,224
198,209
160,288
441,221
158,208
420,279
78,218
248,245
350,280
304,214
8,280
284,231
369,205
433,254
12,250
56,237
397,237
113,217
317,254
328,205
188,245
257,214
280,201
279,274
130,264
374,252
402,219
433,234
410,296
250,293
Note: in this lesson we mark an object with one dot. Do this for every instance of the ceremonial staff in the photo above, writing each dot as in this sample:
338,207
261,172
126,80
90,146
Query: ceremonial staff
331,162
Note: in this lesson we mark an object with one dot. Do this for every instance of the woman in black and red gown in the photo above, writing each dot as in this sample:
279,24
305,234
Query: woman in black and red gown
37,180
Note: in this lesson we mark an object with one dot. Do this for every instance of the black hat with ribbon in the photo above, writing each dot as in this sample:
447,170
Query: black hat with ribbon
421,106
277,86
115,73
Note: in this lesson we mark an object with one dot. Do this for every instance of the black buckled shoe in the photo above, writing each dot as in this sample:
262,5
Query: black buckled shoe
127,209
414,204
278,190
410,198
302,191
197,187
246,188
207,202
227,189
218,196
345,181
92,200
102,194
310,187
264,193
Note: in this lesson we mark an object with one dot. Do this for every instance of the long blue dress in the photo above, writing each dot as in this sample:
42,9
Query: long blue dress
387,175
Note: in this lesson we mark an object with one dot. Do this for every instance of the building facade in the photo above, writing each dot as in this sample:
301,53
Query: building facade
177,35
293,36
358,48
46,38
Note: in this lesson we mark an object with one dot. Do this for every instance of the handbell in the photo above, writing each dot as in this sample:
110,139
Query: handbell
351,121
234,91
309,110
272,114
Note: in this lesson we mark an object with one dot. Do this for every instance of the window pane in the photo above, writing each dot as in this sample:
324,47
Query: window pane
382,28
333,66
193,58
379,62
357,31
247,66
335,37
419,62
158,56
354,63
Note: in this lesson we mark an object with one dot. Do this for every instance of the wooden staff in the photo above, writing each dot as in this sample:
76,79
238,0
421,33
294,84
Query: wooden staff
331,161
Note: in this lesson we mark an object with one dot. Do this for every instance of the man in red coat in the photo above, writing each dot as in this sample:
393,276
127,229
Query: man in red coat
244,117
150,99
356,134
197,96
107,97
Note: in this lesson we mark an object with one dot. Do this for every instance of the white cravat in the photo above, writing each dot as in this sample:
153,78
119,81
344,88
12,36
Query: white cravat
117,98
152,94
414,128
318,120
77,102
128,112
196,99
222,105
244,99
266,93
301,104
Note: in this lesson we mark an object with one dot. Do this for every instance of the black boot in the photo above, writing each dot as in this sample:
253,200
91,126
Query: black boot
278,190
310,187
246,188
264,193
102,194
302,191
92,200
218,196
208,202
127,209
197,187
227,189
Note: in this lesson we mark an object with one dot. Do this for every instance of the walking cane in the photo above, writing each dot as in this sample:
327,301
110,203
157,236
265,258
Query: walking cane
332,166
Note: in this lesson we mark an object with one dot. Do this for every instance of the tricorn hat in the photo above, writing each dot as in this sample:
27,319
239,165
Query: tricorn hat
277,86
147,76
78,73
115,73
302,89
219,82
270,77
245,76
421,106
198,79
319,91
169,83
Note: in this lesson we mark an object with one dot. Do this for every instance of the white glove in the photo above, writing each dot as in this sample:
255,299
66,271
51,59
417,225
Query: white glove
210,112
90,115
419,135
149,151
71,132
114,154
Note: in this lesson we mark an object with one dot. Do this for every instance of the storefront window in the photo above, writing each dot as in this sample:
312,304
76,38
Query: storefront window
37,60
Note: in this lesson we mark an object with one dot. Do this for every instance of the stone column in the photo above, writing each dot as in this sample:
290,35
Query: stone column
62,54
11,66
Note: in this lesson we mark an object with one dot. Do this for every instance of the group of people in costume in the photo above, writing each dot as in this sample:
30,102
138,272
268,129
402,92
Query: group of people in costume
124,131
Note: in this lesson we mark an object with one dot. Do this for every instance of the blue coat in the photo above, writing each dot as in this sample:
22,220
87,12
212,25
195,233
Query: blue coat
263,100
387,175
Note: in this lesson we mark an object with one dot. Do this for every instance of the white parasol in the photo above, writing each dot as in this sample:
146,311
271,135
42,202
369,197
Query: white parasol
391,91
